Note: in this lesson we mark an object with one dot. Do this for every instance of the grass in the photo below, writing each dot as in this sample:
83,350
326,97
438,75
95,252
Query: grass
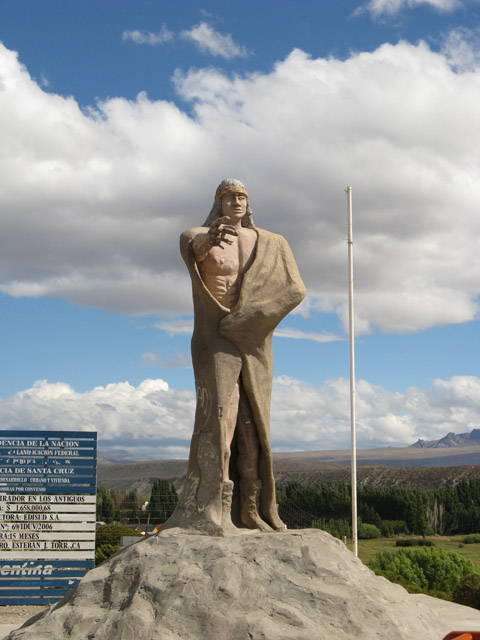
368,549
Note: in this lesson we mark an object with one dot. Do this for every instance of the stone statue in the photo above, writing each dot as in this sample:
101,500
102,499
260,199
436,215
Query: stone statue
244,281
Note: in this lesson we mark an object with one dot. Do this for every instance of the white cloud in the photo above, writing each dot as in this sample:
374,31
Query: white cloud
93,201
288,332
147,37
321,416
201,35
152,421
391,7
462,49
179,360
174,327
150,415
213,43
185,326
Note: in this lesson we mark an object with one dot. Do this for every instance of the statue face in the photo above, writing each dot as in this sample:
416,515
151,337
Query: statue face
234,205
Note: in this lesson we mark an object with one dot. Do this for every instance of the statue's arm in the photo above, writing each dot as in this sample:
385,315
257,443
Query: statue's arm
194,244
201,246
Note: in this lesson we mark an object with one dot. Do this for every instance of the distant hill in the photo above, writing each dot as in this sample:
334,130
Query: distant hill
450,451
141,475
106,456
425,464
395,456
127,476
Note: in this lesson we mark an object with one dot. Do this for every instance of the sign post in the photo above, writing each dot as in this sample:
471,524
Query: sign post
47,513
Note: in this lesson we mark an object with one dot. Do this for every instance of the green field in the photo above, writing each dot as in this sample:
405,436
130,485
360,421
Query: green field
368,549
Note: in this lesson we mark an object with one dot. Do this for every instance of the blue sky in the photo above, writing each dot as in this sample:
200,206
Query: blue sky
119,119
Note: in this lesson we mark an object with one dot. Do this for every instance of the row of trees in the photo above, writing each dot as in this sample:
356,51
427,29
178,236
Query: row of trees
446,510
129,507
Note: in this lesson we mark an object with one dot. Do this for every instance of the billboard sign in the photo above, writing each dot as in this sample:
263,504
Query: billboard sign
47,513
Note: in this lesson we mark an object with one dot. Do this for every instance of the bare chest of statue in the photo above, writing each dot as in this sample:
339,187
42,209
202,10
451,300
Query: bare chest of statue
223,269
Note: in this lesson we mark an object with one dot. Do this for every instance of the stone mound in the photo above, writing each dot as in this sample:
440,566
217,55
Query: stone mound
294,585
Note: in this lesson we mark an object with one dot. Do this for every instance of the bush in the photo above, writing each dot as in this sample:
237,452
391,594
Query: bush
399,568
467,591
407,542
427,568
472,538
107,540
393,576
391,528
103,552
112,533
414,542
368,531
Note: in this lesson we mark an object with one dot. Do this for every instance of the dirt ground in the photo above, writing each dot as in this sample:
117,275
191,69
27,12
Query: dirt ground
12,614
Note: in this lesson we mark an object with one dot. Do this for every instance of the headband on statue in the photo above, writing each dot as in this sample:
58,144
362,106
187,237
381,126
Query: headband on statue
231,189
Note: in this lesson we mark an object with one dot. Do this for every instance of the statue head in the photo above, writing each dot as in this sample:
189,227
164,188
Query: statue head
229,185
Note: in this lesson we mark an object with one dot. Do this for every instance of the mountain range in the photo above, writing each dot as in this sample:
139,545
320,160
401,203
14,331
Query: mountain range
450,440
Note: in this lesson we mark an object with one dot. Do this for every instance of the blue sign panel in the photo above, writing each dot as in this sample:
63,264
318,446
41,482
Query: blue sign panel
47,513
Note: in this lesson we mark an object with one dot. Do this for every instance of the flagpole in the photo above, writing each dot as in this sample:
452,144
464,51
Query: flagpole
352,376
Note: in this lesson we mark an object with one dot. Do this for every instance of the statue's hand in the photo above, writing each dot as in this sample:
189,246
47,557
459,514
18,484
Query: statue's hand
216,235
218,231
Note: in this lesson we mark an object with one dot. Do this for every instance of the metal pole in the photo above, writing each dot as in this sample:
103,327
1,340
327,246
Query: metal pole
352,375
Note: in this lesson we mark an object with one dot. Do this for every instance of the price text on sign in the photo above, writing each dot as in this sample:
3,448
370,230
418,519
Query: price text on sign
47,513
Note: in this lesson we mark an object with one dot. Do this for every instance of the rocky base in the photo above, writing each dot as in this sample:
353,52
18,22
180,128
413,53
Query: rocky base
293,585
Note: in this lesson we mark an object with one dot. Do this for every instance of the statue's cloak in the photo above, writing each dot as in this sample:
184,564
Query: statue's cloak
227,343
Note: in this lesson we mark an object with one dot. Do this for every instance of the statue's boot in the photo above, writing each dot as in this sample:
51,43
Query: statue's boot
276,523
227,494
249,501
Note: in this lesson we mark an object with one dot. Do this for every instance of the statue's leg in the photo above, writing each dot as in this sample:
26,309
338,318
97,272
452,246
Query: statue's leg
248,454
247,439
227,484
230,423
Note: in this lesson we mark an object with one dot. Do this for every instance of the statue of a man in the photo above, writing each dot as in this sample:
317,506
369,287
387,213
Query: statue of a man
244,281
